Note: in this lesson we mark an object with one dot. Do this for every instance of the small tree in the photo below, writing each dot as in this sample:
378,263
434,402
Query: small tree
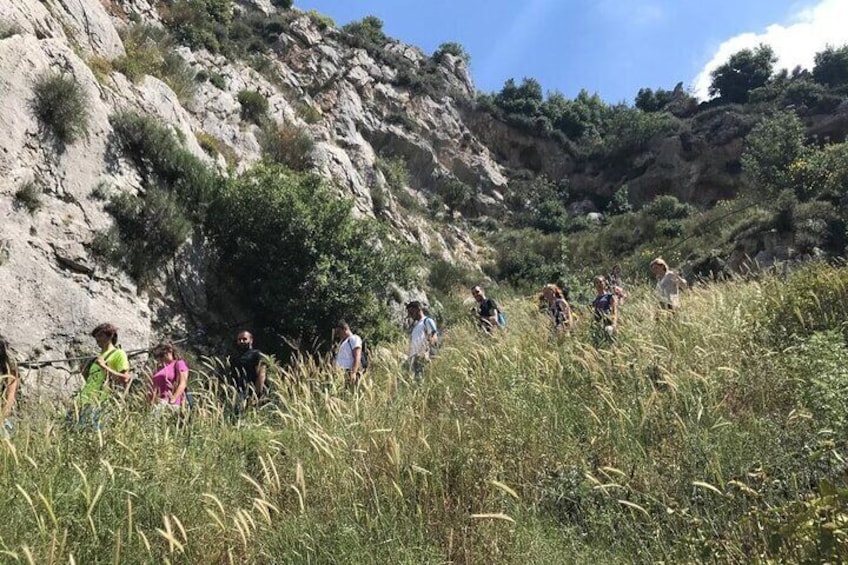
831,66
298,256
746,70
771,147
452,48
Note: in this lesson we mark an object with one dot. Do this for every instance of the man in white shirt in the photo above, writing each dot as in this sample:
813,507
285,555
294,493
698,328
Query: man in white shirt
422,341
669,284
349,355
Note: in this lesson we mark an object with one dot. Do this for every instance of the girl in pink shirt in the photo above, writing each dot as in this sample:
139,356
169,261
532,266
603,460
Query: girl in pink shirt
168,384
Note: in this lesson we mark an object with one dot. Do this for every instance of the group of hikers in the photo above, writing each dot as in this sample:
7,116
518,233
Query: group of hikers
246,368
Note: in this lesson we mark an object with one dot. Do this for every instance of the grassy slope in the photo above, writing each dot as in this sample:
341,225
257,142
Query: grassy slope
686,441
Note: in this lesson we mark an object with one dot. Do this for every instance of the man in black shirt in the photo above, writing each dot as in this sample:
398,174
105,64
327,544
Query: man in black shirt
487,310
247,368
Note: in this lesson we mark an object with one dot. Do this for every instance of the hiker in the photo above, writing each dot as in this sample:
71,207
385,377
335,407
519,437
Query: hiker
615,285
169,383
349,356
487,313
669,284
605,308
423,340
247,368
557,307
110,367
9,379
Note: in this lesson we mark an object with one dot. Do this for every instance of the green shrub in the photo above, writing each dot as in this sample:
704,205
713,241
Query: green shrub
366,33
526,258
831,66
28,196
201,24
254,106
445,276
770,148
282,4
214,147
163,162
668,207
322,21
150,229
379,199
287,144
451,48
308,113
218,81
62,107
150,51
298,257
395,171
455,193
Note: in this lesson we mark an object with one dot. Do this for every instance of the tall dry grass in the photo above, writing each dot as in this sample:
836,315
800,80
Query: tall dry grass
692,438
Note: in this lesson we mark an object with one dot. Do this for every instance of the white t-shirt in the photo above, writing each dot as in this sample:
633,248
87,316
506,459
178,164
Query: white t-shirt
419,340
668,288
344,357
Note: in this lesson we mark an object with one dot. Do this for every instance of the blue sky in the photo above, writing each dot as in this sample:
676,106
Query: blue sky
613,47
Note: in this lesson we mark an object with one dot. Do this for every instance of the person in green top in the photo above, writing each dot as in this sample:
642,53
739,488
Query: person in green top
110,366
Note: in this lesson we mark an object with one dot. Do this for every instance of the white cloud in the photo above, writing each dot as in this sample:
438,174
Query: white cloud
795,42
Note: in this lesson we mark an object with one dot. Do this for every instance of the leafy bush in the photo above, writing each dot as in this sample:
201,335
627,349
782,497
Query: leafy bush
831,66
254,106
395,171
668,207
445,276
151,51
282,4
455,193
298,257
287,144
366,33
201,24
28,196
451,48
163,162
150,229
526,258
620,203
538,203
62,107
628,131
770,148
214,147
177,190
308,113
322,21
743,72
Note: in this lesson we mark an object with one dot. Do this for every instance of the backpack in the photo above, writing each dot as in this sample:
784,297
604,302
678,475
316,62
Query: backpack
431,330
501,318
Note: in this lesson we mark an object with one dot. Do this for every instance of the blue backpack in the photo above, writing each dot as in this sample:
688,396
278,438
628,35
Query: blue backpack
501,318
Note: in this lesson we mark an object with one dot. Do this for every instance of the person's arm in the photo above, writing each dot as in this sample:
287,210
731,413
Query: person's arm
182,370
357,360
121,376
566,312
259,384
681,282
11,392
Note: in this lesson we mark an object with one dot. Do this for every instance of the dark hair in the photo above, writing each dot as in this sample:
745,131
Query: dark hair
166,346
414,304
342,325
106,328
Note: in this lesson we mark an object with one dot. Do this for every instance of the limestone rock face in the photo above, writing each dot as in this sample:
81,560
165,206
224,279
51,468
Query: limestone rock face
56,291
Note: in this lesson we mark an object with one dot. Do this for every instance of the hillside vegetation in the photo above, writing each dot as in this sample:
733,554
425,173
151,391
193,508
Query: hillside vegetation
718,435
